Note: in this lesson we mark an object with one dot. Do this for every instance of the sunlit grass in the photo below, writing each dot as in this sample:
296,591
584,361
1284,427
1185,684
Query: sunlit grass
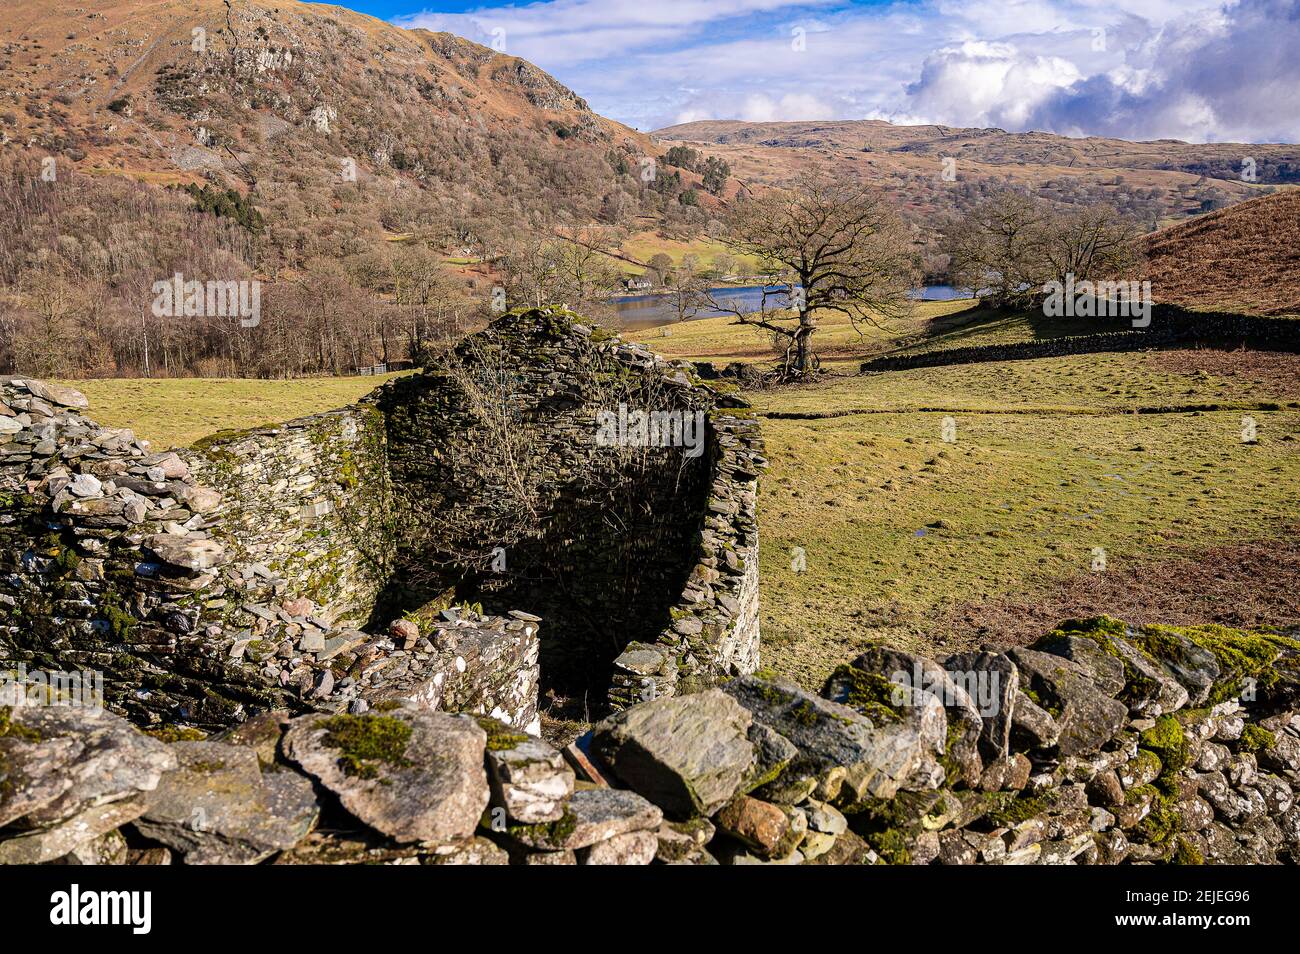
174,412
897,524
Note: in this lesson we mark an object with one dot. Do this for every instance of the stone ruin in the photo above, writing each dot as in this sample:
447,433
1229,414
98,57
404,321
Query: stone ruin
326,662
391,550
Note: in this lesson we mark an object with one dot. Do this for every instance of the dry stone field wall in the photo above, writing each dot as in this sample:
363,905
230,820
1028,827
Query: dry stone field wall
208,584
1101,744
333,563
1171,326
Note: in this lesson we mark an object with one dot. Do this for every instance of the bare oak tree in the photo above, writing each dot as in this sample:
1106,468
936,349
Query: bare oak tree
1009,246
836,247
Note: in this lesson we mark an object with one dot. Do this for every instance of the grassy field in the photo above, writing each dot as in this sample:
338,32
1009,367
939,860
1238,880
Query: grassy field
644,245
899,527
175,412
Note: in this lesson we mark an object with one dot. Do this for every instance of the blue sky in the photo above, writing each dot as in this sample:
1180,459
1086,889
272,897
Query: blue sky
1200,70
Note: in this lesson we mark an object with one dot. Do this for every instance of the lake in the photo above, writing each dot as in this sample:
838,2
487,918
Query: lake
656,309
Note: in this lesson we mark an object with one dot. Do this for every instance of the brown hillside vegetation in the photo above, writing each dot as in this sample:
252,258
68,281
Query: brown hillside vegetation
1153,182
1245,258
377,180
294,99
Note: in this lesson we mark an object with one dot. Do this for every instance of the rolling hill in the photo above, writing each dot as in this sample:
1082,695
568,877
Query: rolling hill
1245,258
294,99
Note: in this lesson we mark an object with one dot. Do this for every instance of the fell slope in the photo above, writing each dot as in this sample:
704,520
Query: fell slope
295,97
1245,258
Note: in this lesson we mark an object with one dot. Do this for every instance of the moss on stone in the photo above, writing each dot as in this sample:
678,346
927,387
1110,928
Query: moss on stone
365,740
1239,654
1011,811
1148,763
176,733
500,736
1186,853
1168,741
120,622
552,833
1256,738
870,693
12,730
892,845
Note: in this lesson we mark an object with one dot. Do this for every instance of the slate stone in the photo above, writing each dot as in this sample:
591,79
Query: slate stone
772,831
688,754
217,806
1088,718
56,761
965,726
58,394
44,845
997,710
529,778
592,815
844,754
414,775
632,848
1106,671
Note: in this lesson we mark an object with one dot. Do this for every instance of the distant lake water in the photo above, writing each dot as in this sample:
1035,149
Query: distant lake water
657,309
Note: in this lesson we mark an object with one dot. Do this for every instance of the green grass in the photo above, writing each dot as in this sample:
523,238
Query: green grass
897,524
643,246
175,412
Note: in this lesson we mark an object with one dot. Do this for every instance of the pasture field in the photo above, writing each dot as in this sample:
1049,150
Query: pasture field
1058,466
175,412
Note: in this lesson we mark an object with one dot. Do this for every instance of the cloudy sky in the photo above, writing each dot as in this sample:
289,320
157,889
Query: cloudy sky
1199,70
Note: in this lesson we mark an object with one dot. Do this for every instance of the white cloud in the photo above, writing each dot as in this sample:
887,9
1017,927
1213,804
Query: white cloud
1191,69
761,108
987,84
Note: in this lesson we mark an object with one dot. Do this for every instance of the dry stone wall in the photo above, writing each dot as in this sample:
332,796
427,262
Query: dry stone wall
1171,326
1101,744
647,550
206,585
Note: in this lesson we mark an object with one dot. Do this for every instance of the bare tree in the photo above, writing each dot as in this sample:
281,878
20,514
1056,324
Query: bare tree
1008,247
997,248
1091,244
836,247
686,291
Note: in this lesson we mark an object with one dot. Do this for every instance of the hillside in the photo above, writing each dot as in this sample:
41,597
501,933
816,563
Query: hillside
1156,182
1245,258
293,98
380,181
